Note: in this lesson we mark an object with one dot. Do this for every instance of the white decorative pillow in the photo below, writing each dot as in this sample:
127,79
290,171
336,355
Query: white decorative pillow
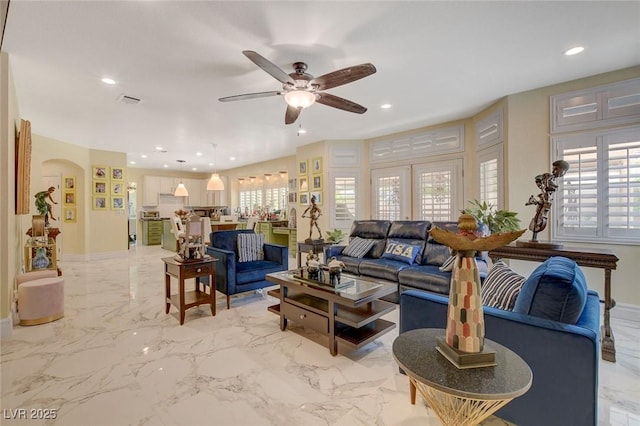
358,247
250,247
447,266
501,287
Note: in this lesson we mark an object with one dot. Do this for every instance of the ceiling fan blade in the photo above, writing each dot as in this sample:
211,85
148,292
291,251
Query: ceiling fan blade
250,96
291,115
343,76
268,66
340,103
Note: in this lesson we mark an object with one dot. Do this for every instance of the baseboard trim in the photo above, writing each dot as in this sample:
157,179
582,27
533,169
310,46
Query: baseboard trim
625,312
6,327
94,256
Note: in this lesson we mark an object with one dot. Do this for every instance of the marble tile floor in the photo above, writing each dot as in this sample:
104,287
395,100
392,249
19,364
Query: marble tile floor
116,358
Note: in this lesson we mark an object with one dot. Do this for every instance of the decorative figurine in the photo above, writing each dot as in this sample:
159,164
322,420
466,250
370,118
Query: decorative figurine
547,184
335,270
43,207
314,214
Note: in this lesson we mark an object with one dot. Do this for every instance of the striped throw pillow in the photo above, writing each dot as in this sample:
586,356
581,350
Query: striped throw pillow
447,266
501,287
250,247
358,247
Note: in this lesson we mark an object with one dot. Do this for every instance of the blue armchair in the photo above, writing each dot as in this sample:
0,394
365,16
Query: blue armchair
233,277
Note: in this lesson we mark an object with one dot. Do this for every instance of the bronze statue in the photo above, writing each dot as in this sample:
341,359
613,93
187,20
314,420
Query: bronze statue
43,207
314,214
547,184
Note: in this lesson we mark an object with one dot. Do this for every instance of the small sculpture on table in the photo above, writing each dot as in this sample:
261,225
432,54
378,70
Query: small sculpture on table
43,207
464,338
335,270
547,184
313,265
314,213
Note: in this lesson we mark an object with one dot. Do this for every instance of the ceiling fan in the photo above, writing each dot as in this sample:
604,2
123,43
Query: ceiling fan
301,90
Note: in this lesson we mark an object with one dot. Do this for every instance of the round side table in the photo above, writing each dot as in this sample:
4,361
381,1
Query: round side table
459,396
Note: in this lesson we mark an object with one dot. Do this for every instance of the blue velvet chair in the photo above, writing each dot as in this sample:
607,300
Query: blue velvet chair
233,277
564,358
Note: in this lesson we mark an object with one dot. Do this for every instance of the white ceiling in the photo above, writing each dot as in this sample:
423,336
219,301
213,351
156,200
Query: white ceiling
436,61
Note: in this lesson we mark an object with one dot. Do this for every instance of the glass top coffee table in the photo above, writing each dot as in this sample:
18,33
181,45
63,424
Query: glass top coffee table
349,315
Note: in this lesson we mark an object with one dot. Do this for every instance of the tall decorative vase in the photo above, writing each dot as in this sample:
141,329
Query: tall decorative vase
465,317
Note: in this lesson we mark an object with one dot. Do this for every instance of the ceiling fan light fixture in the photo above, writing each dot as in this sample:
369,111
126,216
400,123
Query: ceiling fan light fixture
300,98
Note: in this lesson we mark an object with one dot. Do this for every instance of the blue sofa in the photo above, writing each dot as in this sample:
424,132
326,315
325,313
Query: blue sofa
233,277
424,273
563,357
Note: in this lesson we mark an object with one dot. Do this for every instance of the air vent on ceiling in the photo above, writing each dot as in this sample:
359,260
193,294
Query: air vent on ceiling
128,99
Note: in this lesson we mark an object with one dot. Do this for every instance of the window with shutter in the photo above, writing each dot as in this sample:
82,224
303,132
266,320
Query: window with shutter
598,198
437,194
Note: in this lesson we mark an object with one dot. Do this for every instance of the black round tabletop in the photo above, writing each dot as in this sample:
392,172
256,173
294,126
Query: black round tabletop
415,352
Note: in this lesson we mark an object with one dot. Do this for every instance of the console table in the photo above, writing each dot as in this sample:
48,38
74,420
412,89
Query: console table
459,396
593,258
185,270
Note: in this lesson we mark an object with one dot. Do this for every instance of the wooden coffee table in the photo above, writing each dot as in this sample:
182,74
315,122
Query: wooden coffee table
349,315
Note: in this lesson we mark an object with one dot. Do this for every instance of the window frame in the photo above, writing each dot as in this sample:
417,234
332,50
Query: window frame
601,140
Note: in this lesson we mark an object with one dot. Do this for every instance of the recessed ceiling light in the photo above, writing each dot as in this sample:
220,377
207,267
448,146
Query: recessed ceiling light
232,158
159,148
165,165
144,156
108,81
132,162
194,168
574,51
210,164
385,106
199,154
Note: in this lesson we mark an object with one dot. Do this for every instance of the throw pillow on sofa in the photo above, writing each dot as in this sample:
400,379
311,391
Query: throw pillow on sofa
501,287
556,290
448,264
403,252
250,247
358,247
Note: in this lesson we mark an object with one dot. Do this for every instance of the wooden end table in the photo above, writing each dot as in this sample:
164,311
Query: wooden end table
184,300
459,396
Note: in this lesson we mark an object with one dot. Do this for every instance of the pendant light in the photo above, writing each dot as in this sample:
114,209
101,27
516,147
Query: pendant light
215,183
181,190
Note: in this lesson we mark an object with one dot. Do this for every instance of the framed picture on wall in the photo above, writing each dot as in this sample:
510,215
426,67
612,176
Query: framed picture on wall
302,167
293,185
69,214
117,188
100,203
316,182
69,198
304,184
117,173
316,165
304,198
99,187
318,196
69,183
117,203
100,172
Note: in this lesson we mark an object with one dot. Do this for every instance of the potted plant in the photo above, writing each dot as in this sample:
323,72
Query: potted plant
335,237
497,221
